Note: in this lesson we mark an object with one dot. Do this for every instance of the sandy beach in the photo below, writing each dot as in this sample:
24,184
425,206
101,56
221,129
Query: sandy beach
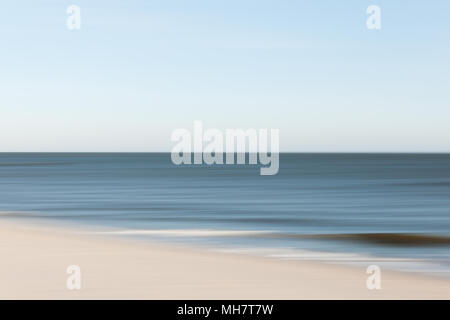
34,260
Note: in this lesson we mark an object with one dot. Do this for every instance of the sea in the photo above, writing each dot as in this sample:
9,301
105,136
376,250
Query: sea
390,210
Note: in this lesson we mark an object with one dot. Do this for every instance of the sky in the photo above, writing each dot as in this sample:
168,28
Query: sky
138,69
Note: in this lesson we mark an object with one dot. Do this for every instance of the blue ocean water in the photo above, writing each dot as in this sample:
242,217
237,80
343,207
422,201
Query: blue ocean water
385,208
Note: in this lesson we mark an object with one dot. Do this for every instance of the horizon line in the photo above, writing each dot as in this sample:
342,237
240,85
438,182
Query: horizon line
281,152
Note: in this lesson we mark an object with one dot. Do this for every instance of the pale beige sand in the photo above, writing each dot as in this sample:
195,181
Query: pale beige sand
33,262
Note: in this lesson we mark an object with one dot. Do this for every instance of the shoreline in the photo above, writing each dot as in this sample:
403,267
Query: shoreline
34,259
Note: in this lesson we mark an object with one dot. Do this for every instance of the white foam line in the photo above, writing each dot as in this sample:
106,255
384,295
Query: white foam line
298,254
187,232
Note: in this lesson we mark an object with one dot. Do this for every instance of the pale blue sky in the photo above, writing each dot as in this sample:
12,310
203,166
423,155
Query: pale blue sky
139,69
